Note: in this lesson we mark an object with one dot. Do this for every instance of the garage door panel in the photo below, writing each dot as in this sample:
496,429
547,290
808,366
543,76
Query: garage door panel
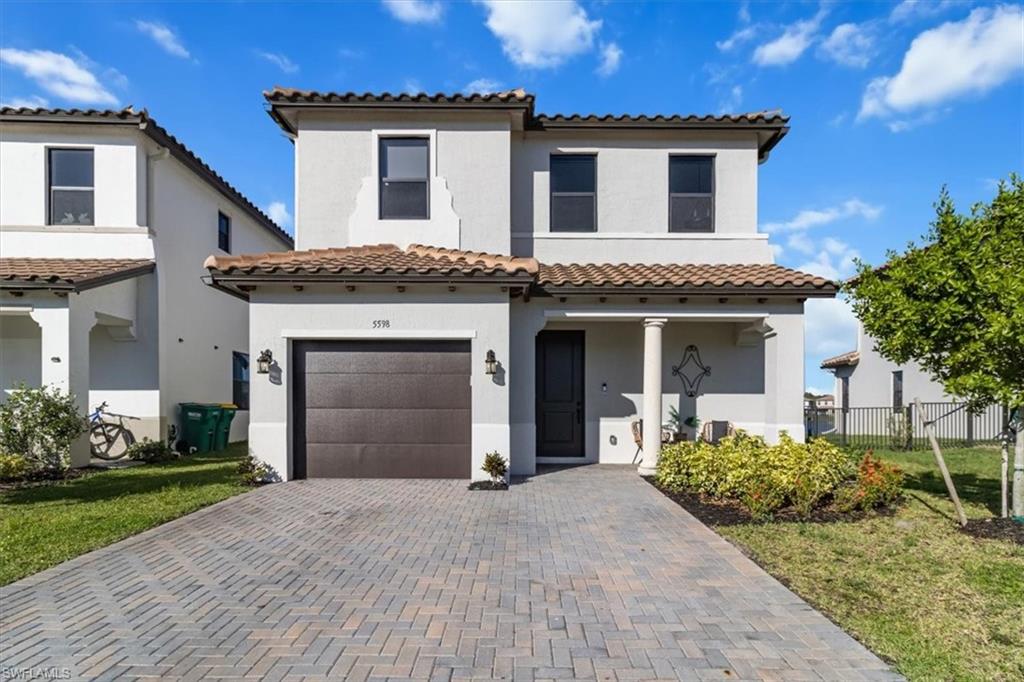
386,391
390,357
428,426
386,461
382,409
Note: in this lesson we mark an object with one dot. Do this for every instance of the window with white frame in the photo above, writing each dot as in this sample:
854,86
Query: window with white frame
691,199
404,178
70,175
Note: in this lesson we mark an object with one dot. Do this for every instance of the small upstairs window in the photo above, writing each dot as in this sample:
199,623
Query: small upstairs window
70,187
223,232
691,202
404,178
897,389
573,193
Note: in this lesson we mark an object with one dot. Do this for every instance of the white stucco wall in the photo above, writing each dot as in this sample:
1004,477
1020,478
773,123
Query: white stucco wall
279,316
200,327
23,183
336,176
871,379
632,198
758,386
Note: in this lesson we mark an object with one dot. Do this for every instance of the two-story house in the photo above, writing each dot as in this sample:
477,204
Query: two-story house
473,276
105,219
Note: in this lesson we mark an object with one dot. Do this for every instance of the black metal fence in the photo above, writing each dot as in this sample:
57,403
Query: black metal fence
902,428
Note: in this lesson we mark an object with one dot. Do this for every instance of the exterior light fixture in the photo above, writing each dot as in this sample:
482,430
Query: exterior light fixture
263,362
491,363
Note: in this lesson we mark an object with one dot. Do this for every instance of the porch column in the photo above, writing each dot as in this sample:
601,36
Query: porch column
65,361
652,395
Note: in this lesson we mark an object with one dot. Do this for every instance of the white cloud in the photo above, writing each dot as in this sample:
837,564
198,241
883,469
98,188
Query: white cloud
59,75
415,11
738,37
166,38
777,250
484,86
32,102
835,260
850,45
280,61
412,87
830,328
799,241
743,14
788,47
541,35
278,212
808,218
730,104
955,59
914,9
611,58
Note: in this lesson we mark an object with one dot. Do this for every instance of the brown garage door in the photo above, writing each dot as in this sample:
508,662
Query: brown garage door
381,409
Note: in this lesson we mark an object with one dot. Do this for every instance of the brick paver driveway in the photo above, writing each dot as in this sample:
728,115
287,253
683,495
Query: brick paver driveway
585,573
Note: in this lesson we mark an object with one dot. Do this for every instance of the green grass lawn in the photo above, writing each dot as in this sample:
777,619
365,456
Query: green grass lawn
43,525
939,604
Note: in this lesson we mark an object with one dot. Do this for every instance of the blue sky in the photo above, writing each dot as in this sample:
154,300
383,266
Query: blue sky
889,101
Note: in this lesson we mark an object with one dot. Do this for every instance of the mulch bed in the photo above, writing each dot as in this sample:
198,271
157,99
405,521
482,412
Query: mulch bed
488,485
996,529
727,512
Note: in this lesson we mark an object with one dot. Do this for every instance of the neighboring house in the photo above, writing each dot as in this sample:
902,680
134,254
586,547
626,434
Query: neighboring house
863,378
821,402
476,277
105,219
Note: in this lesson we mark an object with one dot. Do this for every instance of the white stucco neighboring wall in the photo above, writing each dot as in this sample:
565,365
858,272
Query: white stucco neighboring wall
871,379
279,316
336,173
200,327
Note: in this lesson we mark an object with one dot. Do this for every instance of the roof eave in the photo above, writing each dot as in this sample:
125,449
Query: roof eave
80,285
668,290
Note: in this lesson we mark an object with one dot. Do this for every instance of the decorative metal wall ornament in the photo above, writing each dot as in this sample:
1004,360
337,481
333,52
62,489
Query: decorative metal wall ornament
691,376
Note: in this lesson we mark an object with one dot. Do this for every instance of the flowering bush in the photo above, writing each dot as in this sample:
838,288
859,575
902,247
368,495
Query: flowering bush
12,467
878,485
764,478
40,424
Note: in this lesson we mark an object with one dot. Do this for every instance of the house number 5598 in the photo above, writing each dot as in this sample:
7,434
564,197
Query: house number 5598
381,324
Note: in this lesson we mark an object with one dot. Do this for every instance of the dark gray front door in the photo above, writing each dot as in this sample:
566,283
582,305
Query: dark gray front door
381,409
560,394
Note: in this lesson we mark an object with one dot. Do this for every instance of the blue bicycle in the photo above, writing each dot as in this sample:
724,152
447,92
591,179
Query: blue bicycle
109,440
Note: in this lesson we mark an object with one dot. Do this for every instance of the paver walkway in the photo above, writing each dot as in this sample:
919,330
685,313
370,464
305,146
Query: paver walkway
580,573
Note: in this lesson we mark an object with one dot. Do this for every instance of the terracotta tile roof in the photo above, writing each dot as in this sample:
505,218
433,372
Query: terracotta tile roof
702,278
373,262
148,125
72,274
293,95
774,117
844,360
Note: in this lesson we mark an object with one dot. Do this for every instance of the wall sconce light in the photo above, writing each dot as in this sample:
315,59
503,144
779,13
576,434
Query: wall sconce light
491,363
264,361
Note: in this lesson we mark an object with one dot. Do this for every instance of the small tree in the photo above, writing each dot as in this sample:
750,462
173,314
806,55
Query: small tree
40,424
495,466
955,304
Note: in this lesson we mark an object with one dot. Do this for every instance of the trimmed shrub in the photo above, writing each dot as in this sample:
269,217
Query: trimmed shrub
40,424
878,485
13,467
147,450
254,472
764,478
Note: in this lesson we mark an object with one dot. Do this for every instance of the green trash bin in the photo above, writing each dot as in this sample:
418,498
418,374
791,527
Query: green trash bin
198,426
223,433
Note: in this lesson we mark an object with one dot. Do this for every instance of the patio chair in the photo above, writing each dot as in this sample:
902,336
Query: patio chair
714,431
637,428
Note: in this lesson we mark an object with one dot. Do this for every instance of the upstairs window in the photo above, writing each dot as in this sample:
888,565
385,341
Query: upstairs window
70,180
573,193
240,379
691,202
897,389
223,232
404,178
